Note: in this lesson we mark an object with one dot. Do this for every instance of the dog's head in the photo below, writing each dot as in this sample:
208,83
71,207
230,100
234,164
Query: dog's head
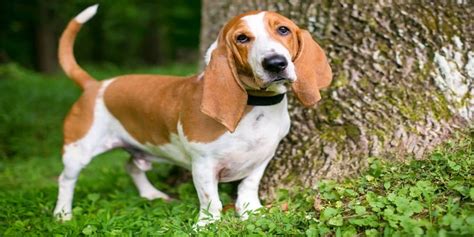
262,53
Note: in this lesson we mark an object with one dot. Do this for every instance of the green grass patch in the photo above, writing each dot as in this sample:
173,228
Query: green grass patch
432,197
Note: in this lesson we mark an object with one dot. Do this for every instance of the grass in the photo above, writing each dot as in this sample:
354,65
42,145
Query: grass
432,197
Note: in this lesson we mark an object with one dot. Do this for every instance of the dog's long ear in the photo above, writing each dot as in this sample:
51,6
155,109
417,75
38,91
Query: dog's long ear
312,70
224,98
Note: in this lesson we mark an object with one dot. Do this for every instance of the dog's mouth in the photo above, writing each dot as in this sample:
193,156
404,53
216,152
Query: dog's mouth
267,83
278,81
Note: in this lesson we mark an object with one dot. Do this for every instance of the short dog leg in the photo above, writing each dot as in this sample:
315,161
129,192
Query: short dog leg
136,167
205,182
67,181
247,199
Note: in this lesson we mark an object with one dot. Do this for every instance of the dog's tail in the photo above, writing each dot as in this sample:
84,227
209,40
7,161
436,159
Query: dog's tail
66,48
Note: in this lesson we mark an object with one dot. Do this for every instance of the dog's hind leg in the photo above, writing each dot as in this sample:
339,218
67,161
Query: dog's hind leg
76,156
82,143
136,167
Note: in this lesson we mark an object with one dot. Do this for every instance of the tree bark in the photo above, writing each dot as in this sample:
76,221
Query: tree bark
403,83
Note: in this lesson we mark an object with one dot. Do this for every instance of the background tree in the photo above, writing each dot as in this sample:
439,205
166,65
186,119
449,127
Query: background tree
403,82
128,33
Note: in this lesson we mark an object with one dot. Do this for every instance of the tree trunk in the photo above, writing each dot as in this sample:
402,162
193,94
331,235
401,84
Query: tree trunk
46,40
403,83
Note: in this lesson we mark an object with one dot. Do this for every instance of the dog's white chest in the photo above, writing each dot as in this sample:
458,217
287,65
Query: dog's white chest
233,155
254,141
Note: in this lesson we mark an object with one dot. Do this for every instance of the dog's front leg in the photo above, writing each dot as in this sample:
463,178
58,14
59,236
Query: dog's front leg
205,182
247,194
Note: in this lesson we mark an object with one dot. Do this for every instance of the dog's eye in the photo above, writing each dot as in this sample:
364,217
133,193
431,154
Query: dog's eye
283,30
243,38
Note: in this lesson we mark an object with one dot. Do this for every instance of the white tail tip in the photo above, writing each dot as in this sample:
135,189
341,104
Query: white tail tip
87,14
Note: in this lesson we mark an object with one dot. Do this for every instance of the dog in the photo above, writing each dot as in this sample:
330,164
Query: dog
223,125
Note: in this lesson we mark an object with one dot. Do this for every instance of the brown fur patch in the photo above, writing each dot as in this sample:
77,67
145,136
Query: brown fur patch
312,69
80,117
66,56
149,107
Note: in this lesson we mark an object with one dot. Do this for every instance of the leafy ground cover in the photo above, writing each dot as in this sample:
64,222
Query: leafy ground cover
431,197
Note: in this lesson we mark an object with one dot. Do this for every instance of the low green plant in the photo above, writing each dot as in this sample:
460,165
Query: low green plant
430,197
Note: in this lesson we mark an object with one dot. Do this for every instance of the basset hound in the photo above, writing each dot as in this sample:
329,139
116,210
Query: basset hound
223,124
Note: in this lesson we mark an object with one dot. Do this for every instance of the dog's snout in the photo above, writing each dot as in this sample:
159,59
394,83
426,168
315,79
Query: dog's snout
275,63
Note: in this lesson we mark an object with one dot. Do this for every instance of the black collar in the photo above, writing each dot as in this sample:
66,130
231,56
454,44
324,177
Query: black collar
265,100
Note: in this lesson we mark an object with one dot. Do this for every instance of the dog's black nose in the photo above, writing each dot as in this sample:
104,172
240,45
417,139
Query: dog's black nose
274,63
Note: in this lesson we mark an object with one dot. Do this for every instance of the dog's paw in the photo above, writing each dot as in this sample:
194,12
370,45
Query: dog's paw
62,216
205,218
246,209
62,213
203,223
155,194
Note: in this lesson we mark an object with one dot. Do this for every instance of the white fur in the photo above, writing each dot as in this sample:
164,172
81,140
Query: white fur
243,154
87,14
145,188
264,46
251,138
209,51
77,155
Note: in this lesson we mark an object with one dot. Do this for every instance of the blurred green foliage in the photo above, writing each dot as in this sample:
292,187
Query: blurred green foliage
124,32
